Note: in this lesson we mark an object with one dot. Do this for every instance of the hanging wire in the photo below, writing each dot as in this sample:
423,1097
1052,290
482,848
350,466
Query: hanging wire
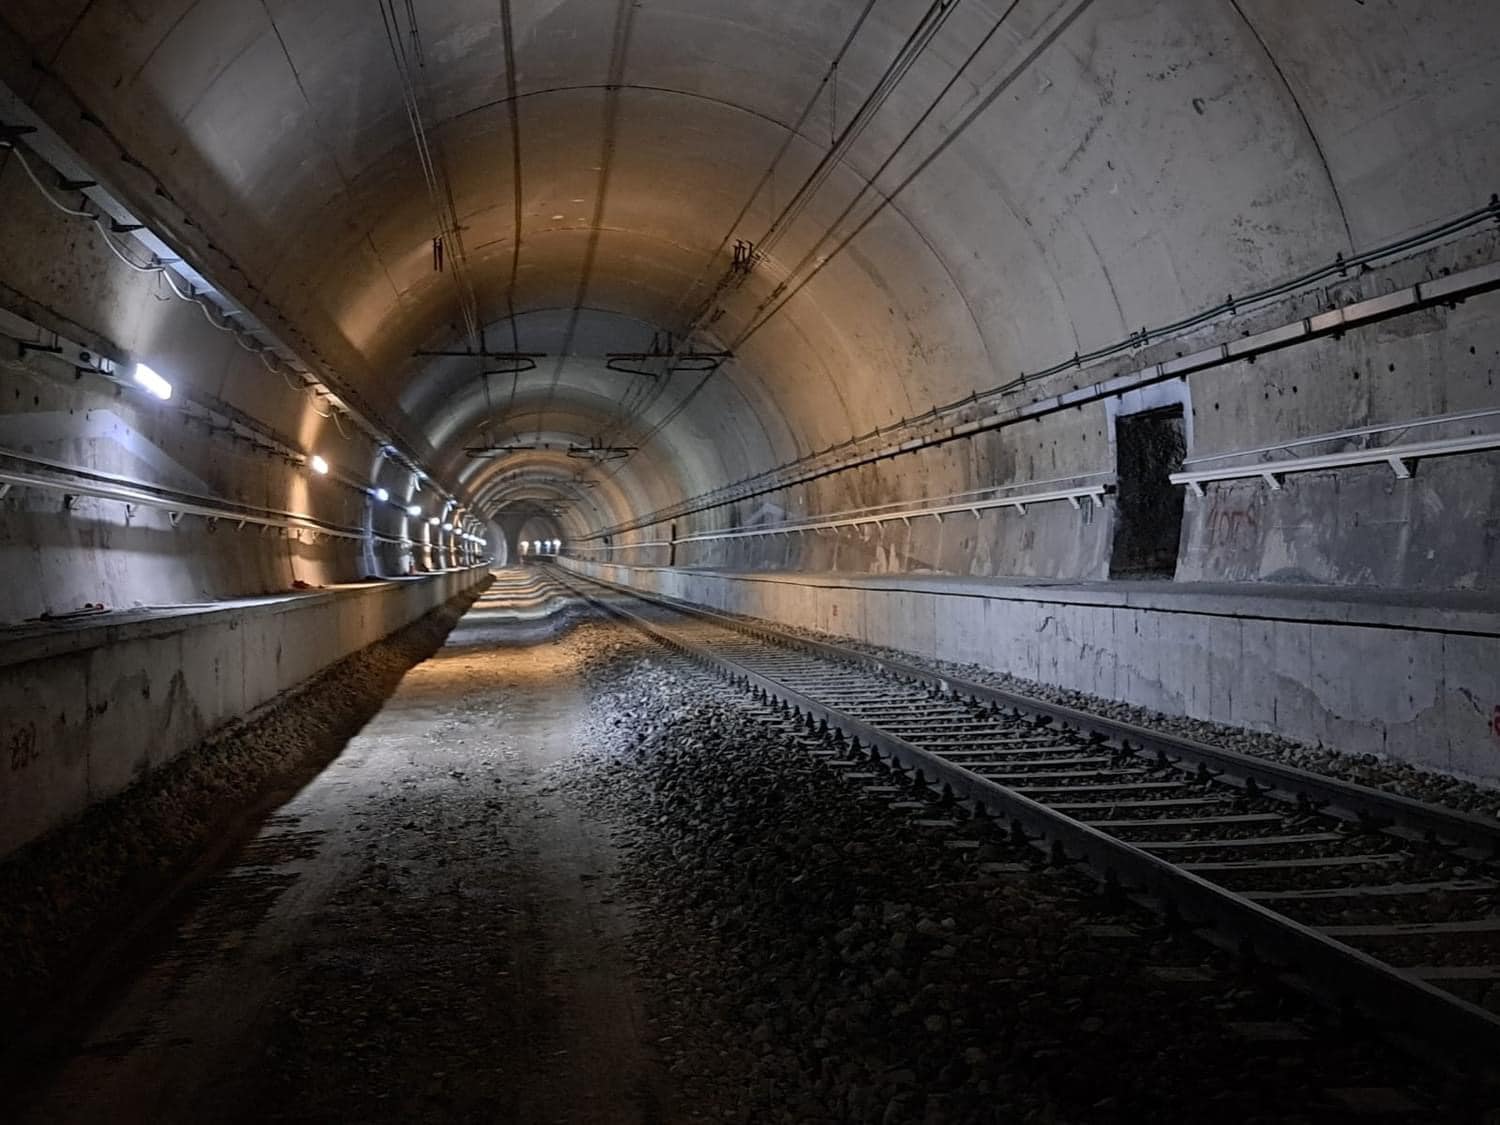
267,356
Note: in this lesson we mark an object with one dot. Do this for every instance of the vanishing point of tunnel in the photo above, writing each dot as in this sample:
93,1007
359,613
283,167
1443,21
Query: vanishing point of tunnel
646,562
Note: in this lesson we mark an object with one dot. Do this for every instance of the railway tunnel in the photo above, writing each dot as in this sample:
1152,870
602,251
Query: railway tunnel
458,459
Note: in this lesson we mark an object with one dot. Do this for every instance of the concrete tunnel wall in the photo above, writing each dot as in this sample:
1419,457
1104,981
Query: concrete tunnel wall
938,198
1394,680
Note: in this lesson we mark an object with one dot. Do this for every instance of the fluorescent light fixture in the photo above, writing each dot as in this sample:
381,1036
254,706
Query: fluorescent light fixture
414,509
382,495
152,382
317,464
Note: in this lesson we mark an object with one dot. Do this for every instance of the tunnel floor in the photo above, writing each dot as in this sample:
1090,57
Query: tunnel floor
429,930
562,876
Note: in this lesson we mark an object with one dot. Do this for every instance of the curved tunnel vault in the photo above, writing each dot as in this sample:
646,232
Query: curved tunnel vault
870,209
1140,353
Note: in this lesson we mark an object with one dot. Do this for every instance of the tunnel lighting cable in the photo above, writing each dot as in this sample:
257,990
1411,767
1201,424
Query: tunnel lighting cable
154,266
942,146
1340,266
411,70
513,104
926,30
619,53
874,178
267,356
639,388
867,186
786,295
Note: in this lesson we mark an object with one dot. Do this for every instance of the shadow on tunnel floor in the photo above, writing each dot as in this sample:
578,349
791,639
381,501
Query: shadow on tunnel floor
80,906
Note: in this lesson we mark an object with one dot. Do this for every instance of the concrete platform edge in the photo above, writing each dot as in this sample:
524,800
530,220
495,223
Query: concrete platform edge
83,717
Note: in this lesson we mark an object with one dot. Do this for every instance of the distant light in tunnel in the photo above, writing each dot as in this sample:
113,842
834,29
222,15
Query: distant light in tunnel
152,382
414,509
382,495
433,521
447,527
317,464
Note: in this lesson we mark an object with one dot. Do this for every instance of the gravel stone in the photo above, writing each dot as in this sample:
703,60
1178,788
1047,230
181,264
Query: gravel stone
818,958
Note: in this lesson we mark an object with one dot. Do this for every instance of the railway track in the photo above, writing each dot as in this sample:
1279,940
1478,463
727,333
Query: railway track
1368,898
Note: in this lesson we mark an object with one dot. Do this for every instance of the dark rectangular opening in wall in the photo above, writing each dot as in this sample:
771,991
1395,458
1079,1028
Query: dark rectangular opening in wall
1148,447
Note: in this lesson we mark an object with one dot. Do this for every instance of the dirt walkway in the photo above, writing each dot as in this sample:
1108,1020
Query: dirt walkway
428,931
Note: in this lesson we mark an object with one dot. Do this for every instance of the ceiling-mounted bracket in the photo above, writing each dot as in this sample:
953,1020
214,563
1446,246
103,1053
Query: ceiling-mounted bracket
663,347
510,363
596,452
486,452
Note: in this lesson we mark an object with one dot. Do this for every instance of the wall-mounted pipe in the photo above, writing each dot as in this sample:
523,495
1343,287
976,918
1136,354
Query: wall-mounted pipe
958,503
40,139
1451,289
25,471
1398,457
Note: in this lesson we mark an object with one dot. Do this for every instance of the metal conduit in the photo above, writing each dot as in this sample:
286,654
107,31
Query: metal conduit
1451,289
25,471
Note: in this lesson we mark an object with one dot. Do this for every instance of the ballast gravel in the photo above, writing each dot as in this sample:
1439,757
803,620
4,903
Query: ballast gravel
816,957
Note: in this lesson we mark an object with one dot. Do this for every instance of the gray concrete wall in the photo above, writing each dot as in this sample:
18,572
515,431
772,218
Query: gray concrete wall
87,709
1415,679
1354,527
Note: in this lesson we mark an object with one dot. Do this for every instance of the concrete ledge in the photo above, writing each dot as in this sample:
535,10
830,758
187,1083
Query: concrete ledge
1405,675
87,707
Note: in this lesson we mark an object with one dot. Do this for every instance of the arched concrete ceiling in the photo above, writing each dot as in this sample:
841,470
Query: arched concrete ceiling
1096,166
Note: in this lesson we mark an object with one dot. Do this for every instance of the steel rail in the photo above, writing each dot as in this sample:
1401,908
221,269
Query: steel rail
1330,795
1329,965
